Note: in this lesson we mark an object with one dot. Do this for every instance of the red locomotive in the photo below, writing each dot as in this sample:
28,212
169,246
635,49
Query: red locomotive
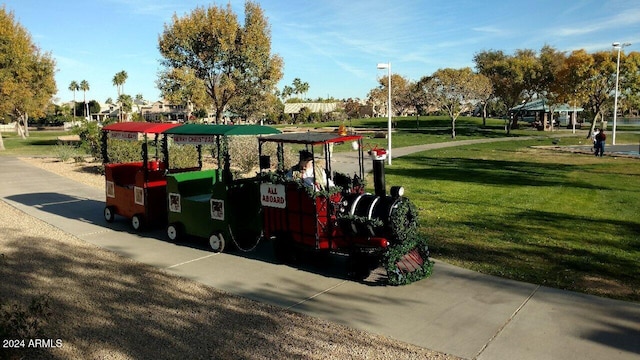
329,212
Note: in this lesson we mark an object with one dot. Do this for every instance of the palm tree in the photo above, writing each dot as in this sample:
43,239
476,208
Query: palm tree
139,101
118,80
84,86
74,87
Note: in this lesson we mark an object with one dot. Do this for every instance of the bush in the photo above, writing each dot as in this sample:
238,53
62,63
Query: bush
185,156
122,151
90,137
65,152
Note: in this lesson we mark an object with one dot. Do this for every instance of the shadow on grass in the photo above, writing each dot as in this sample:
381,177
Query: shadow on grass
552,249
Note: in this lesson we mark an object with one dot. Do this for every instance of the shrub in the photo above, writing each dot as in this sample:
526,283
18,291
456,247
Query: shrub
184,156
90,137
122,151
64,152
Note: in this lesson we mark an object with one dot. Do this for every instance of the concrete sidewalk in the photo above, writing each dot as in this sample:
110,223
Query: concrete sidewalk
455,311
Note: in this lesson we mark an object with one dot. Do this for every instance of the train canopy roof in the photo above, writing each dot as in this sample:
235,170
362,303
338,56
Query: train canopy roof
310,138
139,127
222,130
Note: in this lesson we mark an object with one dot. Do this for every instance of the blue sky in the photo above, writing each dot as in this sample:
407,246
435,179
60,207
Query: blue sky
332,45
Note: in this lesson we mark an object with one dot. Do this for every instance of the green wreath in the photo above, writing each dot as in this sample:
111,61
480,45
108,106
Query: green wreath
403,221
396,252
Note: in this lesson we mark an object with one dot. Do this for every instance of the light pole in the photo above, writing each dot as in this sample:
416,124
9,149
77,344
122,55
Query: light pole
388,67
616,45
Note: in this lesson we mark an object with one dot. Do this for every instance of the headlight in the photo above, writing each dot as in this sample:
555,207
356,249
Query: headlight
397,191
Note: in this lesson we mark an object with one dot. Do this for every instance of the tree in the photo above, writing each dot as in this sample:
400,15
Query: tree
118,81
456,91
550,84
300,87
352,108
400,88
126,105
513,78
232,61
139,101
74,87
596,74
27,81
181,86
84,86
287,91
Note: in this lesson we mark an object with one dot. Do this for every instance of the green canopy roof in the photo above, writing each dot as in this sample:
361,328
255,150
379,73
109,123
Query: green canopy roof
538,104
224,130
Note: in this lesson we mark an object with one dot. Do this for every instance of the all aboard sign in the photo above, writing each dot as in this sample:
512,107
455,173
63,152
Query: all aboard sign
273,195
194,139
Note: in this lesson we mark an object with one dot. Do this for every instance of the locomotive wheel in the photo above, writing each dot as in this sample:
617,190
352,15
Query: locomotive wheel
358,266
175,232
283,249
217,242
109,213
136,222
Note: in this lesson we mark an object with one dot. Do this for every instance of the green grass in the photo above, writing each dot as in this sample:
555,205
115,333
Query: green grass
562,220
39,143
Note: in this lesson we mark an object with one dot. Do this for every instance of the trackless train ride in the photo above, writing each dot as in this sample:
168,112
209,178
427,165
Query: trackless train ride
328,212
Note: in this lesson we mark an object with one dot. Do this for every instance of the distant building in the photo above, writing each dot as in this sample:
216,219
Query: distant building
165,111
293,109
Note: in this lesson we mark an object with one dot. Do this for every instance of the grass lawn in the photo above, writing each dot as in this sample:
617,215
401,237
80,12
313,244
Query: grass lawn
38,143
559,219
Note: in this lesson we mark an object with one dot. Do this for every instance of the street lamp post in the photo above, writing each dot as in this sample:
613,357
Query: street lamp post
388,67
616,45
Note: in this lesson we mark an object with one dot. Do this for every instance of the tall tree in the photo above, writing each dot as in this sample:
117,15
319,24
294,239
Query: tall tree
27,81
73,86
126,105
84,86
300,87
118,81
181,86
514,78
456,91
400,100
231,60
287,91
551,85
597,73
139,101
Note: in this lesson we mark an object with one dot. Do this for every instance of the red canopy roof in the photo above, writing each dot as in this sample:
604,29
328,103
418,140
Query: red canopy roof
140,127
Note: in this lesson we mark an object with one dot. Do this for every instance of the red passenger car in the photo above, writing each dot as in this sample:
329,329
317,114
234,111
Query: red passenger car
136,190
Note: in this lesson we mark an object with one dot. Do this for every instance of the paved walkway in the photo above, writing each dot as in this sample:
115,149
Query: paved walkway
455,311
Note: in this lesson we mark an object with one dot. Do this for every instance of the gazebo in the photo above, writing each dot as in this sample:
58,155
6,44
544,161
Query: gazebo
536,111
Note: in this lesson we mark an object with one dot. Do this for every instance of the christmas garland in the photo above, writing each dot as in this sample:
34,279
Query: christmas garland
346,220
396,252
403,221
403,224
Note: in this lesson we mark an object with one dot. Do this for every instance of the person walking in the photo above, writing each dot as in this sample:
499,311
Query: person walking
600,140
594,148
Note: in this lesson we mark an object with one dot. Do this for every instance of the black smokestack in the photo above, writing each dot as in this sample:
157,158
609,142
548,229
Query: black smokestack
378,177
